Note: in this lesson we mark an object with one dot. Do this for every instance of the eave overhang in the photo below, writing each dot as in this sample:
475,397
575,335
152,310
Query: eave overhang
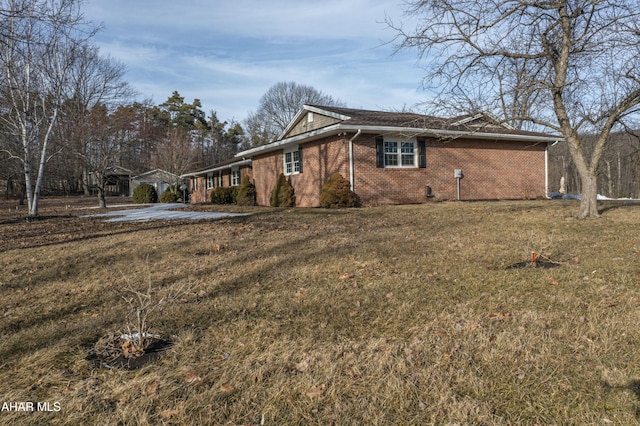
243,162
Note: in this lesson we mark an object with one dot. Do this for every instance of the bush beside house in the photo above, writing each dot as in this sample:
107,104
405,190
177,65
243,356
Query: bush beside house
246,195
282,194
337,193
224,195
144,194
168,197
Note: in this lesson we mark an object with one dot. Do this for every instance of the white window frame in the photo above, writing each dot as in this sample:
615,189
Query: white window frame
194,183
235,176
291,161
397,154
210,181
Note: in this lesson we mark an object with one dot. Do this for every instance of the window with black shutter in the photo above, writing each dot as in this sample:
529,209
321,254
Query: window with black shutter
397,153
422,154
379,151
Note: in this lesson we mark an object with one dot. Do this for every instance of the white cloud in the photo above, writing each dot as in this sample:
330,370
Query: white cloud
227,54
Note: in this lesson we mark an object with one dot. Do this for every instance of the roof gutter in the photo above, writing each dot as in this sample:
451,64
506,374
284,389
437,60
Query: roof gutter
351,165
242,162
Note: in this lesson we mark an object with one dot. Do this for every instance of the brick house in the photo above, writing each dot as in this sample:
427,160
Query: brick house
225,174
401,158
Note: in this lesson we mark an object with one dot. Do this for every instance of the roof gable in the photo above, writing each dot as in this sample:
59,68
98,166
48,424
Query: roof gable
311,118
156,174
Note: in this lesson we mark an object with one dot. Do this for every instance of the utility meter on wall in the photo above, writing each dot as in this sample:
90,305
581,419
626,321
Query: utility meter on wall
457,173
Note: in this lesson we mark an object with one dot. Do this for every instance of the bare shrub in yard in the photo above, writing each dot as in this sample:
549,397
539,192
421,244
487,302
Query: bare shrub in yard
142,306
538,246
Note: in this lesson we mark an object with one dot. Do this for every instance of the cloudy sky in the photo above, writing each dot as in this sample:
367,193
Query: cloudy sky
227,53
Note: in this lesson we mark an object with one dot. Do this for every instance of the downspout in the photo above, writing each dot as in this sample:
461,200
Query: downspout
546,168
351,172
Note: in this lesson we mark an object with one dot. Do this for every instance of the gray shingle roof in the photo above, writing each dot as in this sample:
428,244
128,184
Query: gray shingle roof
361,117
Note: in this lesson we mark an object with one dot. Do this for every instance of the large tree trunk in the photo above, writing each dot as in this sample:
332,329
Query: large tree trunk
589,195
85,182
102,200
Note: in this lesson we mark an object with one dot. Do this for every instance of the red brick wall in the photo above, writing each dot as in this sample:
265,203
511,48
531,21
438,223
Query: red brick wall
197,195
492,170
266,169
319,160
203,195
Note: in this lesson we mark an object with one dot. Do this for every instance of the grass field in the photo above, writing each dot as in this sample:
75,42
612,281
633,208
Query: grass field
377,316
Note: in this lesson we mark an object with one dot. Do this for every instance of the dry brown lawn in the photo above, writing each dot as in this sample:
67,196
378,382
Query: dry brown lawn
386,315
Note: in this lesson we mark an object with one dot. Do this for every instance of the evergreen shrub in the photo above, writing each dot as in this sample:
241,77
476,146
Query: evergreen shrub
224,195
168,196
282,194
179,193
144,194
337,193
246,195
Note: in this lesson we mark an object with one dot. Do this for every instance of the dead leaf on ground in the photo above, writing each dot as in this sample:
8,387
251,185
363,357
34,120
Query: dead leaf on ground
304,363
193,378
316,391
551,280
152,388
227,387
500,316
564,386
168,413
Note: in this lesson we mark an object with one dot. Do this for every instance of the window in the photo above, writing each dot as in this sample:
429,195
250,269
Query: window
399,154
210,181
194,184
235,176
292,163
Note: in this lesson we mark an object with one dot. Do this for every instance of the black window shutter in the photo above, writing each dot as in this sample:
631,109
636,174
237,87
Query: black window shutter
300,157
422,154
230,172
379,152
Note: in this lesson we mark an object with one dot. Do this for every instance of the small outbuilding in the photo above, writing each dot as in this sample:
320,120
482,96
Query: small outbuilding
161,180
115,181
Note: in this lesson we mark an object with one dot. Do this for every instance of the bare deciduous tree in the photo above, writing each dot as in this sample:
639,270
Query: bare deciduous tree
566,65
277,108
96,83
39,43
